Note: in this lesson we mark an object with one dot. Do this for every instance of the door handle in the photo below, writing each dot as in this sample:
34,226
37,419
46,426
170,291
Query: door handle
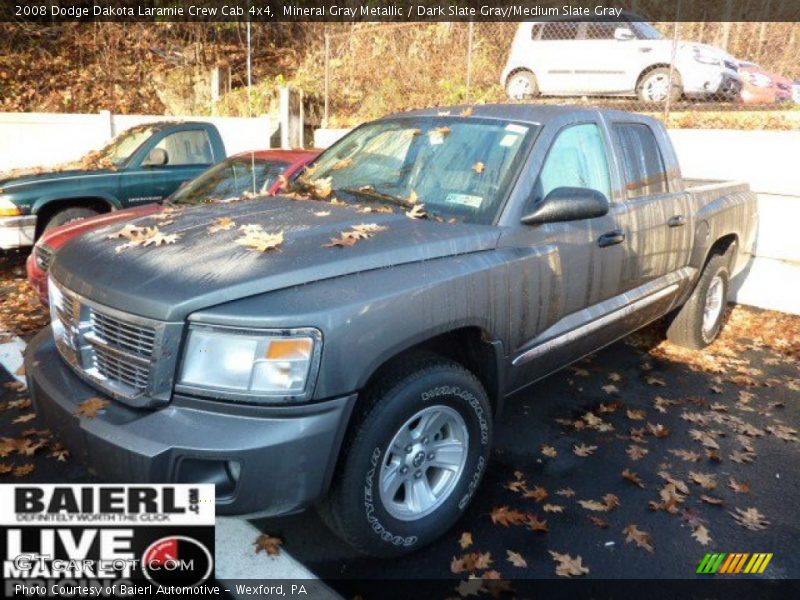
610,238
677,221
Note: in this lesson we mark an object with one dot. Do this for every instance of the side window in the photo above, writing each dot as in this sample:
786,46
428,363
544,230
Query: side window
645,174
600,30
577,158
560,30
187,148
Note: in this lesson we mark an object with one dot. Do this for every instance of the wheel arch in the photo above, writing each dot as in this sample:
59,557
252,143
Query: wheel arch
45,209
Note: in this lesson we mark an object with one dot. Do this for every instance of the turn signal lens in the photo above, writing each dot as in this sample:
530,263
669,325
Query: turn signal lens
10,211
299,349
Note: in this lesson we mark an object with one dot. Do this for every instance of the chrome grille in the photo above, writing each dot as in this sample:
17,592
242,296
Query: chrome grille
44,256
122,354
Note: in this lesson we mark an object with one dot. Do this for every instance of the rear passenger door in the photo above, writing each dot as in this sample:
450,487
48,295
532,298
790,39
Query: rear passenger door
660,225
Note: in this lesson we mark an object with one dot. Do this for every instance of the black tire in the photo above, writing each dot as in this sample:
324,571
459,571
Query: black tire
525,79
686,327
675,89
68,215
354,509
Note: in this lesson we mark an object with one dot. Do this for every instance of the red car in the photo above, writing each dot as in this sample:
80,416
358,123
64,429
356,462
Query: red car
259,171
763,87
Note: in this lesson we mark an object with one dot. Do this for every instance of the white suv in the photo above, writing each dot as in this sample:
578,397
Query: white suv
620,58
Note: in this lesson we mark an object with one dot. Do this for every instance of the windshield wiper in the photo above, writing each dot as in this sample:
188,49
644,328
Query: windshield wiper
373,194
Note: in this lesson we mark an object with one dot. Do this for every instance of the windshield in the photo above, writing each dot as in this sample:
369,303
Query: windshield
121,147
231,179
455,167
646,31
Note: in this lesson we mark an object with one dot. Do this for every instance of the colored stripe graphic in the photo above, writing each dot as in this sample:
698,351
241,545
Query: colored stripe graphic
734,563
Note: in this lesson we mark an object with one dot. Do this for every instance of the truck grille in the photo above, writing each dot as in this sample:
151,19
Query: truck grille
114,350
44,256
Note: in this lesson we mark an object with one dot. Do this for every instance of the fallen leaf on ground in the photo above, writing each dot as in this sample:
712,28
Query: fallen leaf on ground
568,566
701,534
465,541
633,478
23,470
24,418
269,544
750,518
641,538
505,516
469,563
739,487
515,558
583,450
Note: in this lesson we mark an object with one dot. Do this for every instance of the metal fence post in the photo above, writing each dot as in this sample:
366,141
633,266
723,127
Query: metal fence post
327,77
470,35
675,35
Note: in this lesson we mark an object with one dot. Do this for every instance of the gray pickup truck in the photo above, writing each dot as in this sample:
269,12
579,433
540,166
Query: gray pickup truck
349,344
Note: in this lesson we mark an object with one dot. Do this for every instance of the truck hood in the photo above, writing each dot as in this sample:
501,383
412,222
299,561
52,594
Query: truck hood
15,180
202,269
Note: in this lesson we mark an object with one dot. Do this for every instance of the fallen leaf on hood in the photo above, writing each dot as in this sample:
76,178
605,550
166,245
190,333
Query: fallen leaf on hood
711,499
17,386
739,487
443,131
157,238
515,558
5,469
321,213
658,430
553,508
566,492
142,236
750,518
474,586
342,164
417,212
24,418
28,447
742,457
89,408
593,505
467,112
128,232
679,484
610,389
637,452
653,380
636,415
704,437
23,470
670,499
704,480
479,167
269,544
633,478
701,534
261,241
613,376
505,516
583,450
357,232
641,538
60,453
568,566
599,521
686,455
465,541
322,187
221,224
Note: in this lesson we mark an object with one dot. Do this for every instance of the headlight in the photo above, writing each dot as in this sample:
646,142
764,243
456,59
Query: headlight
8,208
702,55
250,365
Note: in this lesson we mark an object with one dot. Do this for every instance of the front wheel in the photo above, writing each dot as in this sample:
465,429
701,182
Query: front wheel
68,215
522,85
413,459
658,84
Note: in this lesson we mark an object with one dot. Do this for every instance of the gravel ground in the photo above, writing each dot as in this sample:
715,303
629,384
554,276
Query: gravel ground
682,426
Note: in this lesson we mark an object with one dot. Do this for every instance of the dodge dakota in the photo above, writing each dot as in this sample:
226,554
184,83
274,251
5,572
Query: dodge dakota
142,165
349,344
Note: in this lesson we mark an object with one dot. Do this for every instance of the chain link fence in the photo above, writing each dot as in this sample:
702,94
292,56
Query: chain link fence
737,75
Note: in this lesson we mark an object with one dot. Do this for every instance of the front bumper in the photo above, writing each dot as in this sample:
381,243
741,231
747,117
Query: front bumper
286,455
17,232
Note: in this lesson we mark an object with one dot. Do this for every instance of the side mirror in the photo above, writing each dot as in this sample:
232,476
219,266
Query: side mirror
623,33
568,204
157,157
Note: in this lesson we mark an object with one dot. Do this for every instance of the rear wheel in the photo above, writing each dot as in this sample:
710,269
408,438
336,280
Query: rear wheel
413,460
658,84
68,215
698,322
522,85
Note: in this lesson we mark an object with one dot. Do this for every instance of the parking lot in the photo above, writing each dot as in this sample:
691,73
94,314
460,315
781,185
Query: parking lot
633,463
